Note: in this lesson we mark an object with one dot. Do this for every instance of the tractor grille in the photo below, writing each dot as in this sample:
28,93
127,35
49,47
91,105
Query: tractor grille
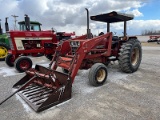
74,46
10,43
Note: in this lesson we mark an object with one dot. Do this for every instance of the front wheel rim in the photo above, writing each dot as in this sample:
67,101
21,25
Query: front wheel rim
24,65
135,56
101,74
3,52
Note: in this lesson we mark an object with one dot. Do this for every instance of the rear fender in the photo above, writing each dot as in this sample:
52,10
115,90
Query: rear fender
131,37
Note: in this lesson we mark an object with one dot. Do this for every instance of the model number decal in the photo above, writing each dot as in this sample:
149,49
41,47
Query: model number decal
19,44
31,38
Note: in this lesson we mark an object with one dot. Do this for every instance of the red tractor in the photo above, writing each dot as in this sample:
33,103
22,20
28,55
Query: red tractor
154,38
44,87
30,40
4,41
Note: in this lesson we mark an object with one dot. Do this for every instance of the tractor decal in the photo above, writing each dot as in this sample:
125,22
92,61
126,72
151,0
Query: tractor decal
19,41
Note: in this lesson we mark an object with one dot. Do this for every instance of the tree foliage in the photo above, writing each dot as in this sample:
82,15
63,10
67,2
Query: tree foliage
150,32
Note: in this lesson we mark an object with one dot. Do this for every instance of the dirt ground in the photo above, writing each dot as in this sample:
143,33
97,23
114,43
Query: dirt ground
150,44
123,97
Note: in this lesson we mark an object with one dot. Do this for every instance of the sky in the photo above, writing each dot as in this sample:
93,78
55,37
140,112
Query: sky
70,15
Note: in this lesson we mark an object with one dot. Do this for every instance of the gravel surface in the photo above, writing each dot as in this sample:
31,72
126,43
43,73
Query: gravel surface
123,97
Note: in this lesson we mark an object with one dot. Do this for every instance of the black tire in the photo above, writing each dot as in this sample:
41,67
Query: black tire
37,55
158,42
130,56
49,56
10,60
107,63
65,70
98,74
3,51
22,64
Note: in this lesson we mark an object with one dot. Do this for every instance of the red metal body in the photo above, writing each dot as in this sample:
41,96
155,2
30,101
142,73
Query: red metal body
32,42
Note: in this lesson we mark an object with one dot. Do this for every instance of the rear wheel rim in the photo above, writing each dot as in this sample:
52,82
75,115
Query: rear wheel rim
3,52
135,56
101,74
24,65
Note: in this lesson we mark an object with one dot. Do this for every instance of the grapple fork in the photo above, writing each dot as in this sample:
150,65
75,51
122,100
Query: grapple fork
42,88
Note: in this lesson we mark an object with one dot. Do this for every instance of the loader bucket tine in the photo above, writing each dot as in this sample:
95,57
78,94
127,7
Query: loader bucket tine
22,81
61,95
26,84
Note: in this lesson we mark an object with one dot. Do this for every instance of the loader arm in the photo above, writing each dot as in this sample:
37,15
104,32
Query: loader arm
72,62
88,46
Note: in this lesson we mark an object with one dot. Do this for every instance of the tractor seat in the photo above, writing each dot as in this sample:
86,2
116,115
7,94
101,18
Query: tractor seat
115,38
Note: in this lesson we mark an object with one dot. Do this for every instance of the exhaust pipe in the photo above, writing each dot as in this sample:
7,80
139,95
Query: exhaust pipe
27,22
88,30
0,28
6,25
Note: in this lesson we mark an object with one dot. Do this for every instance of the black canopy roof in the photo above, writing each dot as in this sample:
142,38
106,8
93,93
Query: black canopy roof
112,17
31,22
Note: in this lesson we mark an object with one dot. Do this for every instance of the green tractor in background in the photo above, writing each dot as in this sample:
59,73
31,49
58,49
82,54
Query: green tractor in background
4,42
4,46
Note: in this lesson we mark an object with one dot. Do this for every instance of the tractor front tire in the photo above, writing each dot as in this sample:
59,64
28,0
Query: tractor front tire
130,56
49,56
65,71
10,60
23,63
98,74
3,51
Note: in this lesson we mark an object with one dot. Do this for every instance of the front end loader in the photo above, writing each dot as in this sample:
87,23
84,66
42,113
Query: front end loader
44,87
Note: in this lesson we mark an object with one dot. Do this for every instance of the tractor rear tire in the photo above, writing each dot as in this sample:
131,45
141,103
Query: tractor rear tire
49,56
98,74
10,60
22,64
130,56
3,51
